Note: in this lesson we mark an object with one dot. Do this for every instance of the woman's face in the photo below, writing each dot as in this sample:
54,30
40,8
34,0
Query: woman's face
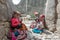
16,16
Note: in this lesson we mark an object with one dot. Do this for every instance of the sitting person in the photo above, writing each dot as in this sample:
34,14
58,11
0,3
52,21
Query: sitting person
42,20
17,26
39,25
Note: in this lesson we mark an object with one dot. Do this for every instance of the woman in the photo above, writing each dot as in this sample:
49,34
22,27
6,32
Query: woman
15,20
17,26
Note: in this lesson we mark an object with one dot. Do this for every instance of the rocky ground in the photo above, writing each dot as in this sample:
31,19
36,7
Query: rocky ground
47,35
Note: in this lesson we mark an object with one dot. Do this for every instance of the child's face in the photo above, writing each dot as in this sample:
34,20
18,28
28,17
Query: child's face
41,18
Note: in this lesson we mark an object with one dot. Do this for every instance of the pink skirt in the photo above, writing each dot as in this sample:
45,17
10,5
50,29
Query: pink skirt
13,36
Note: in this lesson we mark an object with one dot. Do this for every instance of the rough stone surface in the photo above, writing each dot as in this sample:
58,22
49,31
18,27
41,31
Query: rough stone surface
58,12
4,28
58,1
50,13
5,9
58,8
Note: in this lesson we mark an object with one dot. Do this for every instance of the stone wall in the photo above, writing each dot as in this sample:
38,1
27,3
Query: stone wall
5,9
50,14
4,28
58,12
5,13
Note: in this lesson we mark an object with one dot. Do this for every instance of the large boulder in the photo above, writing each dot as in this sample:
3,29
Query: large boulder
50,14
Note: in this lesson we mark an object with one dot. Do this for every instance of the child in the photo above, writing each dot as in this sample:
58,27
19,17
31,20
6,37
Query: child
42,20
